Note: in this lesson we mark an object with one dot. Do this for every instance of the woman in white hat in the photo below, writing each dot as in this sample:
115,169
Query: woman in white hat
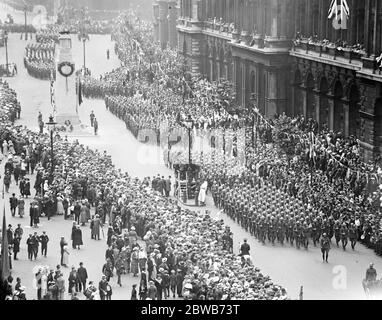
5,148
134,262
60,206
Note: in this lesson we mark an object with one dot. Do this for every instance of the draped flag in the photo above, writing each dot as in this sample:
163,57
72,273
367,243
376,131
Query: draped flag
340,12
4,264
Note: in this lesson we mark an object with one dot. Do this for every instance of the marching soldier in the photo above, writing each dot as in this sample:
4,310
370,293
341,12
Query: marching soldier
281,231
353,235
344,235
272,231
316,232
306,233
262,227
295,234
325,247
337,233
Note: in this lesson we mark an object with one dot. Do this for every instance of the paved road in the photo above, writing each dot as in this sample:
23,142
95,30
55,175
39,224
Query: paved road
287,266
113,137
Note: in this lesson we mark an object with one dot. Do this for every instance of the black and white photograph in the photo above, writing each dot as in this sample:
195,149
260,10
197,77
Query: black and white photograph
197,152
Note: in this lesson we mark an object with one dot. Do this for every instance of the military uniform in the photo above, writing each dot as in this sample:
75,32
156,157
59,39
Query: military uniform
353,235
344,232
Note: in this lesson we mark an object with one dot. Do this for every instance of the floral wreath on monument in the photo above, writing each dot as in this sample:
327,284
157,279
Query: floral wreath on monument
64,64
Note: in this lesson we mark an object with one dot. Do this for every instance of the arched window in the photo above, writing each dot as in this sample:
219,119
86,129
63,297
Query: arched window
184,47
354,115
229,66
324,104
339,119
378,122
310,103
222,72
253,82
298,102
214,67
206,66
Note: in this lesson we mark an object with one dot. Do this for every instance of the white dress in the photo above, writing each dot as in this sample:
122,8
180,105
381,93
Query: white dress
65,258
44,285
5,148
60,206
202,192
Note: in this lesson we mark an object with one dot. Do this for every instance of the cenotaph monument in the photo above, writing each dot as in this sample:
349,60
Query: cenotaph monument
65,85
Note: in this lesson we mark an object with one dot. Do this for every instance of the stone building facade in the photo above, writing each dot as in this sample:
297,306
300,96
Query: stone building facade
166,14
324,75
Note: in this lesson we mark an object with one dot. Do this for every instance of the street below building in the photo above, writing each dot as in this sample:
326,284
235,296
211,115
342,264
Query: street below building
341,278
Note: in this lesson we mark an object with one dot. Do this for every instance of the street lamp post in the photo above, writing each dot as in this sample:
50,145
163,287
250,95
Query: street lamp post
84,45
189,124
6,51
25,21
51,125
84,36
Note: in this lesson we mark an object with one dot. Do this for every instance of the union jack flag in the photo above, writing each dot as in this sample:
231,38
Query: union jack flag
335,8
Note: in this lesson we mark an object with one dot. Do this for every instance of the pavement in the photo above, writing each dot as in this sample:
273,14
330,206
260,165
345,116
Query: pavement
292,268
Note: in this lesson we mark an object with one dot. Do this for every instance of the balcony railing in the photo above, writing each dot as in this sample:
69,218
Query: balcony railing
329,49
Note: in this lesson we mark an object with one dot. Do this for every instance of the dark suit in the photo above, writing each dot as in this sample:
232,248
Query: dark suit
77,211
102,288
44,239
244,248
82,277
13,202
30,247
73,281
16,247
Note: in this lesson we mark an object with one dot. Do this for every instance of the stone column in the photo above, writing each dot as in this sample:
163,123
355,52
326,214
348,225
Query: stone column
292,100
163,23
317,102
346,117
156,21
195,9
243,83
195,54
284,19
237,77
271,93
211,67
274,16
172,17
277,37
304,96
331,111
